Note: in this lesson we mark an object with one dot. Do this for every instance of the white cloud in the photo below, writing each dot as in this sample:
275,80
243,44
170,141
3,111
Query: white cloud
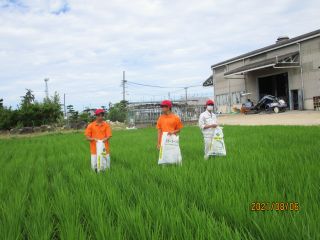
83,46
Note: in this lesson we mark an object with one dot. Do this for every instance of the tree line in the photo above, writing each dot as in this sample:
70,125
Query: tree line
32,113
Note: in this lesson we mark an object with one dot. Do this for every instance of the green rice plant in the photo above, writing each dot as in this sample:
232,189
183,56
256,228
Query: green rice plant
48,191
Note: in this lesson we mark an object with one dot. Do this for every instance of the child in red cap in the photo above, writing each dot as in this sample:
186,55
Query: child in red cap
96,131
168,123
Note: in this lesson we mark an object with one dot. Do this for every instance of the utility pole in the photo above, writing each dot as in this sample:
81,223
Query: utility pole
64,105
186,90
169,95
124,81
46,89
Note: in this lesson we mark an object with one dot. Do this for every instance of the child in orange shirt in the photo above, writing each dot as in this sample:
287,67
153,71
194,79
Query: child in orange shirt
98,130
168,121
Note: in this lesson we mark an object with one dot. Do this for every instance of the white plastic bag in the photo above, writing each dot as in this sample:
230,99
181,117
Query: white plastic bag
169,150
103,159
217,147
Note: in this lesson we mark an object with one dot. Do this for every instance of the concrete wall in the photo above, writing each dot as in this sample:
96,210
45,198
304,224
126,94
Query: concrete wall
310,58
236,84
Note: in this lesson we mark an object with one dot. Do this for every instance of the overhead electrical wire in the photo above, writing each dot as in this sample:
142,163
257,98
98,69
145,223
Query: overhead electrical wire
136,84
131,84
157,86
147,85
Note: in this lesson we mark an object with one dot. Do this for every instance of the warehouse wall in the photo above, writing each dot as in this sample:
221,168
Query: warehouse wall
222,85
310,58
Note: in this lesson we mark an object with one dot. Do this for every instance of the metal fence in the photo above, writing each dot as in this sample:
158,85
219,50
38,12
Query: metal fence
148,113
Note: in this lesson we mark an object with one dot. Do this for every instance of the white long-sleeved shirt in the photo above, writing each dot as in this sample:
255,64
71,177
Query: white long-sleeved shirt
207,118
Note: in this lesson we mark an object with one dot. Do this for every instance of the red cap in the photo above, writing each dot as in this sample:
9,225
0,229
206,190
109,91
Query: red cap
210,102
98,111
166,103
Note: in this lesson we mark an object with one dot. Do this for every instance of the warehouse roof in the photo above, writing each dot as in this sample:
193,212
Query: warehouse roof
294,40
208,82
285,60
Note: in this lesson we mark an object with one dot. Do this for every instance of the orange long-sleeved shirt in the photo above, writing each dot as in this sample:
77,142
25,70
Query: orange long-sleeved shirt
99,131
169,123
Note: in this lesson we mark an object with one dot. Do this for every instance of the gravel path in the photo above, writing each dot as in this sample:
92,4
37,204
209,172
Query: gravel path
286,118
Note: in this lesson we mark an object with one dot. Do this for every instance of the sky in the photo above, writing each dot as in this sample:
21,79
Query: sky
83,46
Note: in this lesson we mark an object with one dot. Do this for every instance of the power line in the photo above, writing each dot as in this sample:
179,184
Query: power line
157,86
185,88
177,90
128,83
86,91
161,94
147,85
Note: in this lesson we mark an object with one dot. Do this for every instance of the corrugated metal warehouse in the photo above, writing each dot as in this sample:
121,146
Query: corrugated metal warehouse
288,69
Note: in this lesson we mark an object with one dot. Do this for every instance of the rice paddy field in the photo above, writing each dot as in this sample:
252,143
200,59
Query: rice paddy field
47,190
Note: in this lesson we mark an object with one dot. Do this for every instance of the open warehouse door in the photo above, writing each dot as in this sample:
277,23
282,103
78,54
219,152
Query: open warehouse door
275,85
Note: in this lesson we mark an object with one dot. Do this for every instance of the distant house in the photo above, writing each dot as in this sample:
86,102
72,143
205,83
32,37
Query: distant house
289,69
90,111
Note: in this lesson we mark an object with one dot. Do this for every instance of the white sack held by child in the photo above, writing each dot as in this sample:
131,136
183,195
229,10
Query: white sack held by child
169,150
217,147
103,159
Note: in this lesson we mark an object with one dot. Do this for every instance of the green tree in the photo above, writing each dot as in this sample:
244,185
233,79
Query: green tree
31,112
51,109
73,115
85,116
70,109
27,99
118,112
8,118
